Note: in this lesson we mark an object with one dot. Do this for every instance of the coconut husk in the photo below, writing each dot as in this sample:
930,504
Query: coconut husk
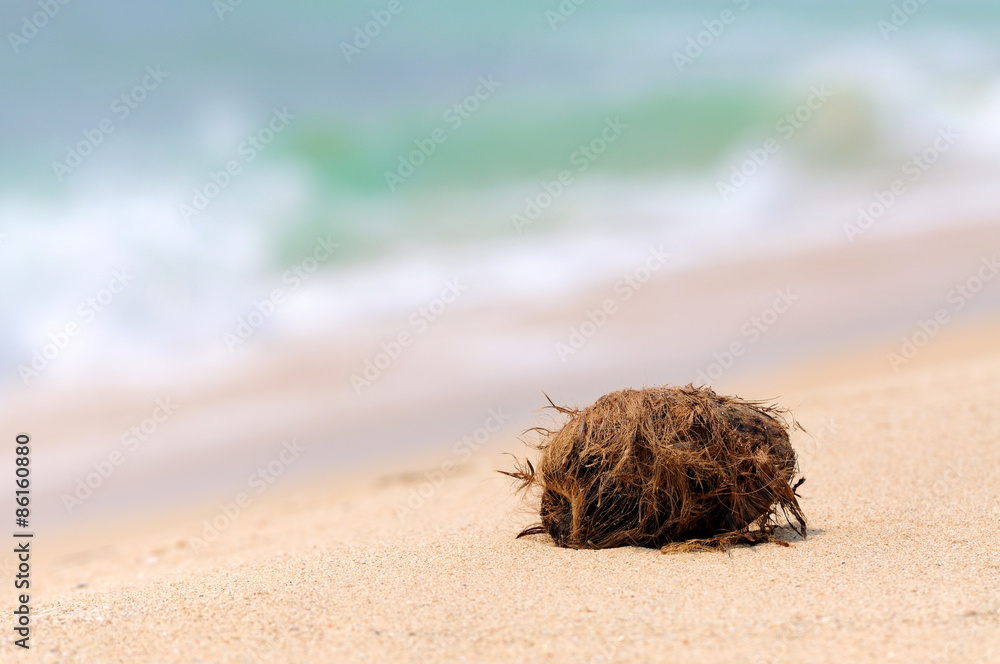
680,468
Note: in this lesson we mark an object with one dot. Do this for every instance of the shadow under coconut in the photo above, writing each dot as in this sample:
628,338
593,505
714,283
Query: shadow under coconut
783,536
675,468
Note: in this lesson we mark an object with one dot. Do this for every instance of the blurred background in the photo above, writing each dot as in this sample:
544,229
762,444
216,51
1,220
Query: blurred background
363,225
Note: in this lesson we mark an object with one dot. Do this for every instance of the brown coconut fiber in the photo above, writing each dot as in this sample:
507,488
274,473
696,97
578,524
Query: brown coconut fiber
680,468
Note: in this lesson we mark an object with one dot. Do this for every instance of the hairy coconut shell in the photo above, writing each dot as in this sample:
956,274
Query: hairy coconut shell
672,467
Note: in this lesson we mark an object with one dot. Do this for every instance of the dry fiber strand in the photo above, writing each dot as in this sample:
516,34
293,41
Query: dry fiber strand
678,468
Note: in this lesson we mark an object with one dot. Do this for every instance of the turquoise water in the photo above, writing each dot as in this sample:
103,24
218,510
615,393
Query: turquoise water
325,173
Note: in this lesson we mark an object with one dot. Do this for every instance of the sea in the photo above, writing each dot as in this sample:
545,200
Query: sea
207,150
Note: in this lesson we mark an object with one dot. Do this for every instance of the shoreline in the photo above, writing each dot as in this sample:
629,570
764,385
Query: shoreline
228,426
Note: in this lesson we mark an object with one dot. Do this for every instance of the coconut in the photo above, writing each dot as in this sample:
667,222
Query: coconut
678,468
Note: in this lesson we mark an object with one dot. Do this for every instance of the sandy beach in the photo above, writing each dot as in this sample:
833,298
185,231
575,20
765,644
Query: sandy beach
901,563
290,290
